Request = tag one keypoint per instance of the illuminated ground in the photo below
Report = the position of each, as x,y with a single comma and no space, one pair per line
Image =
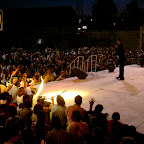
125,97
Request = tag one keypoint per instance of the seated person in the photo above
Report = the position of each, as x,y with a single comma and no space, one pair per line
77,128
49,75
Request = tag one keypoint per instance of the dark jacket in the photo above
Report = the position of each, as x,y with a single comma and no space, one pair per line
121,53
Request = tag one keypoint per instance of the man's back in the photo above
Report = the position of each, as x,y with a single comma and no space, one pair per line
72,108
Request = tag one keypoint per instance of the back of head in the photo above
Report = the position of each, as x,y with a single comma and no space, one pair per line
37,107
4,95
116,116
28,103
9,99
12,111
78,100
41,101
60,100
98,108
76,116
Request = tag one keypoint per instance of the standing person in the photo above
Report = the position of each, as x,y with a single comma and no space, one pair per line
121,60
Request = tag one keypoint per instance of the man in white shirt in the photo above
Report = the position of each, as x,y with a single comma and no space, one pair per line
14,90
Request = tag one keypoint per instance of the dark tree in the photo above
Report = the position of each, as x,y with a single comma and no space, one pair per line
104,13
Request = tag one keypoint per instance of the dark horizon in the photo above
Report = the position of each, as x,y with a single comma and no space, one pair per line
87,4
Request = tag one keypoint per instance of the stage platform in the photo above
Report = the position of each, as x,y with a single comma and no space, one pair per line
125,97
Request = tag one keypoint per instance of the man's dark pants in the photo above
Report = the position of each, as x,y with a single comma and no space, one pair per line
121,70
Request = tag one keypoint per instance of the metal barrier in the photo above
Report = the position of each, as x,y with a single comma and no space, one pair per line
76,63
85,65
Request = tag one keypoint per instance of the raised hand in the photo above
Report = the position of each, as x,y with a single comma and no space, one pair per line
91,102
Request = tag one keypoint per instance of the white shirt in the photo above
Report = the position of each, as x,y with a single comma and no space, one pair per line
19,100
13,91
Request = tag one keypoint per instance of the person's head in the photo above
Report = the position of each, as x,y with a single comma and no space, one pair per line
21,106
3,96
76,116
116,116
78,100
24,75
17,83
60,100
28,103
41,101
118,41
34,91
127,140
41,115
56,66
37,107
9,99
98,108
131,131
12,111
51,68
21,91
14,134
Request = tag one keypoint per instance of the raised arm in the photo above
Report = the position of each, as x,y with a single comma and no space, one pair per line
91,102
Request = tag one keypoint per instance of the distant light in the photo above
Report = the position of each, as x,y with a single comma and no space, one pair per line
86,33
79,28
122,19
39,41
79,20
114,23
84,27
91,19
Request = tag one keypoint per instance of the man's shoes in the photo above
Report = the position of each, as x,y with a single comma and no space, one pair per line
117,77
120,78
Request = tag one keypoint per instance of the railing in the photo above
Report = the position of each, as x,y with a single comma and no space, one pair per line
85,65
76,63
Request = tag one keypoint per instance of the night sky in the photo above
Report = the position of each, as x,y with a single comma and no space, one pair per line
87,4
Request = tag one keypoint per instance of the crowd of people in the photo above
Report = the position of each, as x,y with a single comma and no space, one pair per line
23,121
37,62
49,123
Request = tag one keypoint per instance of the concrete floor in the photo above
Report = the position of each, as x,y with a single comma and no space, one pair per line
125,97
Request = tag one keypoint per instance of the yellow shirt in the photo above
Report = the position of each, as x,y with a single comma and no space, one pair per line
3,88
